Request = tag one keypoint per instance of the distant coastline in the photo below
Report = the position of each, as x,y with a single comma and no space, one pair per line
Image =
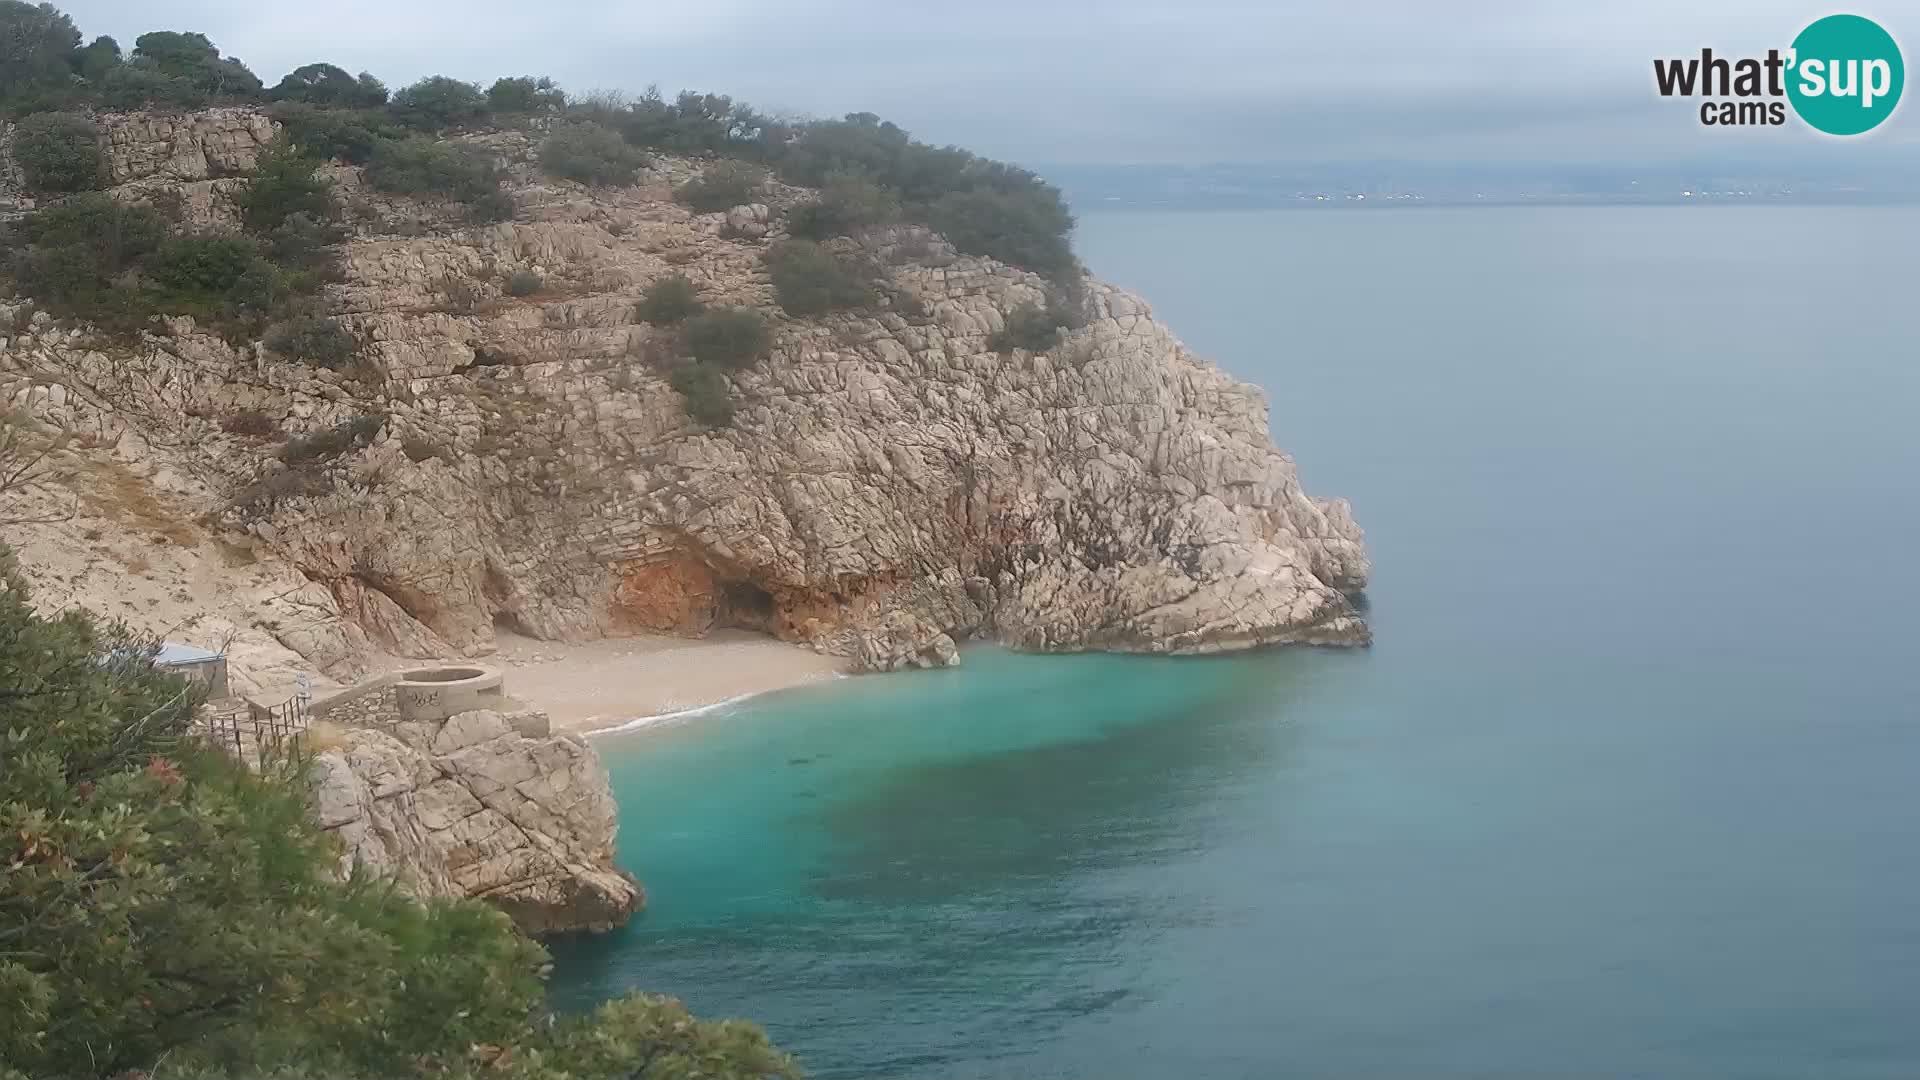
1266,186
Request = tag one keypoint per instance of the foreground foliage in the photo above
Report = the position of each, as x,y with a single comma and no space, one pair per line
165,910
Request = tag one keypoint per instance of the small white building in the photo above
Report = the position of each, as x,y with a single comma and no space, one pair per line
192,662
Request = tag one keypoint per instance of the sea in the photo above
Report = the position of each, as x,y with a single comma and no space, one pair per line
1628,785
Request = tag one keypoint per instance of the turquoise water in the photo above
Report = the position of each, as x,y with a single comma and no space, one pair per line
1629,786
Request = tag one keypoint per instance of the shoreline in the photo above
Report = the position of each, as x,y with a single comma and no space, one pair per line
621,684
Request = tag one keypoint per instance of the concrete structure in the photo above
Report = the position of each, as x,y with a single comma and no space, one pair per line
435,693
192,662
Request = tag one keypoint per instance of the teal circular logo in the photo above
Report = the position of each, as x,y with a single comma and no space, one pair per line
1846,75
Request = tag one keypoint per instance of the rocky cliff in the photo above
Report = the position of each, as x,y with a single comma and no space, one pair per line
891,484
472,806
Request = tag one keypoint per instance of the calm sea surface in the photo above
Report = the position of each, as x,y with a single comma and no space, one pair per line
1629,786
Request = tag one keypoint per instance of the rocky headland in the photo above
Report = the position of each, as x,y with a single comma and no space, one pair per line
512,459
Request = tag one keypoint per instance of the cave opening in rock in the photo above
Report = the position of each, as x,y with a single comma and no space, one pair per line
746,606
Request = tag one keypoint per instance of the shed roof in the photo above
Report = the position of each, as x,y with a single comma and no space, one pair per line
173,652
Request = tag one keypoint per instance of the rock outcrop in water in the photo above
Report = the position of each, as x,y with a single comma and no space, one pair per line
471,807
891,484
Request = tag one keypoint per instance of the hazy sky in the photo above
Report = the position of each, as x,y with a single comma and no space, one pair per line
1043,81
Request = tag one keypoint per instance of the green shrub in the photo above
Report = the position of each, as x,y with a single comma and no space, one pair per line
70,256
284,184
730,338
812,279
525,94
524,283
165,905
303,245
722,186
326,134
98,59
591,154
1024,229
59,152
709,397
325,84
318,341
141,85
850,202
201,265
192,58
495,205
668,300
983,207
261,289
1029,326
692,124
425,167
436,103
37,43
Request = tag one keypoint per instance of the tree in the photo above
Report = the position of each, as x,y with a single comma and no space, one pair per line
319,84
94,62
439,102
37,44
163,903
193,58
373,92
27,458
140,84
525,94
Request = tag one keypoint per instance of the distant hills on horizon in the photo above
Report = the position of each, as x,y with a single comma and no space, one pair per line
1267,185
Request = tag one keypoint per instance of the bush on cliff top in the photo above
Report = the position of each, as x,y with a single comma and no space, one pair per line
591,154
850,202
59,152
421,166
165,905
437,102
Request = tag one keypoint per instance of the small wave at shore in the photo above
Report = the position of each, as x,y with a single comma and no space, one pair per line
677,715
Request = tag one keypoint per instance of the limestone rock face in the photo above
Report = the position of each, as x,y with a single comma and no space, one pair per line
891,485
472,807
179,147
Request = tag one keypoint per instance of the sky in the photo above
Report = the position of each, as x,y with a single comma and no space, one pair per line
1113,81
